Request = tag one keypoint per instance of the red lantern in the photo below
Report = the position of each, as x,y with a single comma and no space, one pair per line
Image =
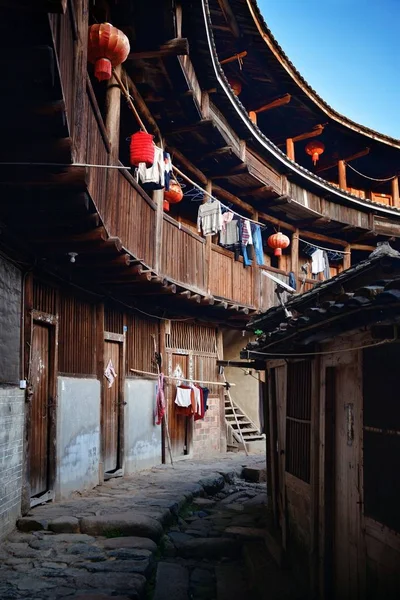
314,149
142,149
277,241
107,48
235,85
166,205
174,194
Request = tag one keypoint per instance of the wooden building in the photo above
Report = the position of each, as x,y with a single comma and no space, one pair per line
333,439
92,267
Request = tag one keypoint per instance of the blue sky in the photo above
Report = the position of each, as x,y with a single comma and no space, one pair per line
348,51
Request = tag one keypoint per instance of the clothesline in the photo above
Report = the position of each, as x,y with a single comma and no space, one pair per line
214,198
371,178
184,378
322,247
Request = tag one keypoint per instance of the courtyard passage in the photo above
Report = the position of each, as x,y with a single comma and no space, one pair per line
195,531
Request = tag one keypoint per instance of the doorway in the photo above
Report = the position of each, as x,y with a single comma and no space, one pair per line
42,412
180,427
113,403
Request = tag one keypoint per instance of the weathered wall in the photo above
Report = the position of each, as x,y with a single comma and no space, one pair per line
10,322
298,505
78,435
246,392
142,442
207,432
11,444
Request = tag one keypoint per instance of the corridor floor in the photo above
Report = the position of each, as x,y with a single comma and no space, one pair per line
194,531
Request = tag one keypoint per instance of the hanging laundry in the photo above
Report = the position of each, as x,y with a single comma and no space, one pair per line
205,391
185,401
247,238
327,271
160,400
227,217
154,177
257,243
209,218
230,234
244,241
201,409
167,170
318,262
292,280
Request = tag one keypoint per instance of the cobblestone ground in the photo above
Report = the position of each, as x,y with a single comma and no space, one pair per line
166,533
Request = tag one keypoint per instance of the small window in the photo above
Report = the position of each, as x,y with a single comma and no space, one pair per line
298,420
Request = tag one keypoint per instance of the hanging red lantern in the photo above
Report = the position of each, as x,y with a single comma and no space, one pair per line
107,48
174,194
278,241
314,149
141,149
235,85
166,205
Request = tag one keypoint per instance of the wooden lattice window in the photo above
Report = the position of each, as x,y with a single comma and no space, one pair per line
381,381
298,419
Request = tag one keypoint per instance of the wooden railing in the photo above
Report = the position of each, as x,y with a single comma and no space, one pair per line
229,278
183,254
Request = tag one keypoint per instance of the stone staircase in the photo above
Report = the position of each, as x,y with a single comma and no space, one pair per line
239,426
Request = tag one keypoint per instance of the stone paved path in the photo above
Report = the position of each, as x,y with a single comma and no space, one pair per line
166,533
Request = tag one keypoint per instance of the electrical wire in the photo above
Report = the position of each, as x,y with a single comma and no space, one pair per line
371,178
297,355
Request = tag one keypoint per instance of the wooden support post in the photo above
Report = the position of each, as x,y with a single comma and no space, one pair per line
347,257
158,197
208,249
113,113
342,174
295,255
256,272
290,148
100,376
395,192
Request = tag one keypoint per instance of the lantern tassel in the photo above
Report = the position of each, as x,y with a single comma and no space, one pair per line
103,69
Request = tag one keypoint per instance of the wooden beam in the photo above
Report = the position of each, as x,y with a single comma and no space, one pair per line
347,159
238,170
274,104
365,247
174,47
189,128
234,57
395,192
317,130
290,149
322,238
229,17
180,158
342,174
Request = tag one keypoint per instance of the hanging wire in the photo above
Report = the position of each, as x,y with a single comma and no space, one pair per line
367,177
322,247
300,354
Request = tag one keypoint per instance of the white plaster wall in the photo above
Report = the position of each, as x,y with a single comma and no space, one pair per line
246,391
142,442
78,435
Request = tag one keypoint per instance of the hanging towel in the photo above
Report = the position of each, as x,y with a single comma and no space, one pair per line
327,271
167,170
154,177
230,234
209,218
318,262
183,396
160,400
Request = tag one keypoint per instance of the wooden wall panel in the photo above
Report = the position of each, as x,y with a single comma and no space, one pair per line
242,283
45,297
76,336
221,273
183,255
139,343
113,320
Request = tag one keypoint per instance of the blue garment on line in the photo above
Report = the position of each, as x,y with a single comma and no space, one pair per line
257,243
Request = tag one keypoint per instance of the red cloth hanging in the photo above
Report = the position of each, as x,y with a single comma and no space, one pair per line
160,399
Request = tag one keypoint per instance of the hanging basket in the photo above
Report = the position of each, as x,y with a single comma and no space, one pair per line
174,194
166,206
278,241
141,149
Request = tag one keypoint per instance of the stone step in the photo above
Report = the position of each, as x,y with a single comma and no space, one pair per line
246,429
231,582
251,438
172,582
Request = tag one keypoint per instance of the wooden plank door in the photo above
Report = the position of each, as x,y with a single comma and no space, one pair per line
39,431
111,407
178,425
347,576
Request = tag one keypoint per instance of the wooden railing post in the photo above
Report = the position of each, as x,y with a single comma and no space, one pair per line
158,197
295,255
256,300
290,148
395,192
113,114
347,257
208,249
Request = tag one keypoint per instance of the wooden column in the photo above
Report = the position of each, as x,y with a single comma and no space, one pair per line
208,250
342,175
295,255
256,272
347,257
113,114
80,112
395,192
158,197
290,148
100,376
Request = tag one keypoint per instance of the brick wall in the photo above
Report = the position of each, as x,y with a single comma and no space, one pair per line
11,442
207,432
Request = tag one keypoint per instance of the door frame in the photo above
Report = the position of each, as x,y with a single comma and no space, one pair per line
119,338
51,322
170,352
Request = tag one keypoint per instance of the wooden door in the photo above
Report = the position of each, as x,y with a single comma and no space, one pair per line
111,406
280,391
347,572
39,431
177,424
